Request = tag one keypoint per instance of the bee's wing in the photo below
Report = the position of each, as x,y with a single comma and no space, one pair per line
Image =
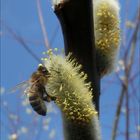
21,86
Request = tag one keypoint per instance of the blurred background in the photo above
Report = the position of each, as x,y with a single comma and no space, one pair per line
32,24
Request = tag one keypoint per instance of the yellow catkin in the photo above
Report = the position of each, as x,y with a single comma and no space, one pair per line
67,84
107,34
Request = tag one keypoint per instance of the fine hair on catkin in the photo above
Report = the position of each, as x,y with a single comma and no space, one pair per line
67,84
107,34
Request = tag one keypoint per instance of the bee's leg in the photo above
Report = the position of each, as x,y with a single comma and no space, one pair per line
43,93
53,98
48,98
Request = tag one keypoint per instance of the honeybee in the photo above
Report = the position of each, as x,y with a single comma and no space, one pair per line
36,91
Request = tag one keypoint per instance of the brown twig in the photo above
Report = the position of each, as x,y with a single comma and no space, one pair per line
125,87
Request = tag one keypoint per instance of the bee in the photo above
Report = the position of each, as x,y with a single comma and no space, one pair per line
36,92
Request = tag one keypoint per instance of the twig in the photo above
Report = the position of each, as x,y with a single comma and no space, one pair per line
20,40
54,35
127,72
76,18
40,15
125,88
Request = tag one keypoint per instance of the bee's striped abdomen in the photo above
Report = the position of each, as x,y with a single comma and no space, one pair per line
37,103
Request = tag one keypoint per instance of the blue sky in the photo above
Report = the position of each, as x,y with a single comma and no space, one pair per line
17,64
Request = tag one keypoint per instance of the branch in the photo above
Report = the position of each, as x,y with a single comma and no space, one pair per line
46,41
76,18
125,86
21,41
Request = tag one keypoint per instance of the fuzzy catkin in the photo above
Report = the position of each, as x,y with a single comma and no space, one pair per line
67,84
107,34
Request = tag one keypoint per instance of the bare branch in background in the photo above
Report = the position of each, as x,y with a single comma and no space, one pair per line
39,9
124,91
54,34
21,41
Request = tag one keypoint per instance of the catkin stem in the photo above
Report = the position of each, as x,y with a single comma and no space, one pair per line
88,131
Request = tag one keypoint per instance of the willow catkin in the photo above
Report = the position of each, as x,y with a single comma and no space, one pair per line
67,84
107,34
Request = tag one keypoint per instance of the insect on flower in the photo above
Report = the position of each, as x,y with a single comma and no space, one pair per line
35,90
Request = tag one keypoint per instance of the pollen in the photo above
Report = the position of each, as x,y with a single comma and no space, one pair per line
107,33
44,53
56,49
73,94
50,52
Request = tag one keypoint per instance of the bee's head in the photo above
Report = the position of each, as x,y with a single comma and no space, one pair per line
42,69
